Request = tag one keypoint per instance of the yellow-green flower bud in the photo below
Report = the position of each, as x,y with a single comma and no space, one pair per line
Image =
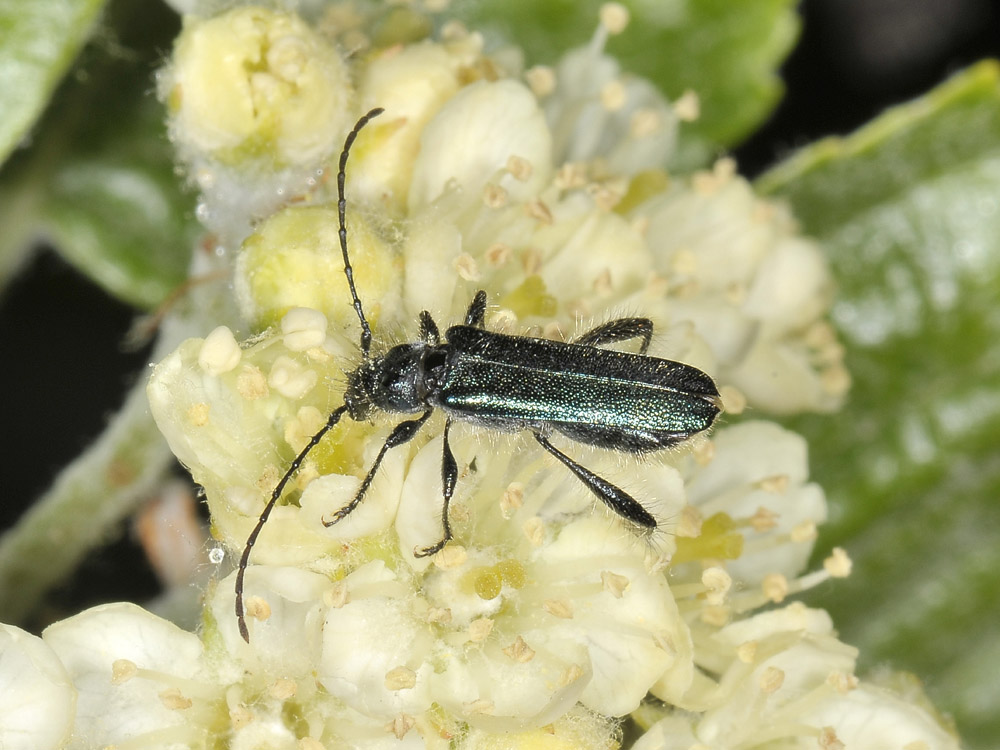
294,260
254,82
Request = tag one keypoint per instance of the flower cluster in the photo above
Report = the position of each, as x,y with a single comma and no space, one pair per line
546,620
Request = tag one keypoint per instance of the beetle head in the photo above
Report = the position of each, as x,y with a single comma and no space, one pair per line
392,382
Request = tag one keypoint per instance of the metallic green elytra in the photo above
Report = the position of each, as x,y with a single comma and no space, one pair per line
627,402
631,403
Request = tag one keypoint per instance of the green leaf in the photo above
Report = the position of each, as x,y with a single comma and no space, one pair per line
38,41
729,57
99,179
114,205
908,209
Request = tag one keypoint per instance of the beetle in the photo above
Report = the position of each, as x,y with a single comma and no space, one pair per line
631,403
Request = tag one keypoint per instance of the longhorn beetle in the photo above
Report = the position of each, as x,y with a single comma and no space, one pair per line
631,403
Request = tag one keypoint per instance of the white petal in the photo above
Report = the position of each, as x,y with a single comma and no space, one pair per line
412,83
631,640
715,228
287,642
418,522
371,635
779,376
671,733
325,495
792,286
794,618
745,455
495,692
870,718
472,138
37,698
432,244
90,643
592,249
585,129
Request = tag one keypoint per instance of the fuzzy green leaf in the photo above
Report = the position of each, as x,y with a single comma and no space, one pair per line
729,57
98,180
908,209
114,206
38,41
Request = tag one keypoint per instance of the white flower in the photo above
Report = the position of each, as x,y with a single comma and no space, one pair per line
783,678
135,676
509,631
755,290
759,478
472,139
37,697
143,682
598,113
413,83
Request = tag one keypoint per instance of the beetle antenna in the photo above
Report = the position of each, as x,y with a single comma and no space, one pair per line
245,558
366,331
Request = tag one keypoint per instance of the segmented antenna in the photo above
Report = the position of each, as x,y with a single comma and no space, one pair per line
366,340
366,331
245,559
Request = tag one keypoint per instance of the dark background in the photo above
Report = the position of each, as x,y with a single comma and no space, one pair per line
63,369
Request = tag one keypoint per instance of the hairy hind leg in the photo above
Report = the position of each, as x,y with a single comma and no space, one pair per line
449,477
622,329
614,497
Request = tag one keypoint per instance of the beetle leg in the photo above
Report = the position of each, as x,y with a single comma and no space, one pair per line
621,329
615,498
449,476
428,329
476,314
402,433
